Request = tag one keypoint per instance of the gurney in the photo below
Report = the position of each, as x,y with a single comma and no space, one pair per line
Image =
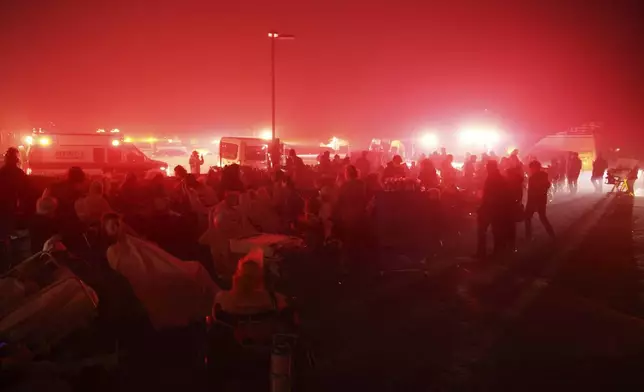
28,278
47,304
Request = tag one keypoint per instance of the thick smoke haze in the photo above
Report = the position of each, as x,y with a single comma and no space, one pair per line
355,69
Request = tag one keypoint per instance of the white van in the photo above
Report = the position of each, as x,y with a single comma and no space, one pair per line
244,151
52,154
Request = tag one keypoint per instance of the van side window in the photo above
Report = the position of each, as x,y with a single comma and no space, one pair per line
228,150
99,155
113,155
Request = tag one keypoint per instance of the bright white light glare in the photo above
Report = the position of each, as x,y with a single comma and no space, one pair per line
429,140
266,134
29,140
44,141
479,137
115,143
128,140
100,130
115,130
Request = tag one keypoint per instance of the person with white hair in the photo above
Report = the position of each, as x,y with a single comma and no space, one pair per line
248,294
91,208
43,224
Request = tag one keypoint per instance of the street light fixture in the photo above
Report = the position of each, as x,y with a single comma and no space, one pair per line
274,36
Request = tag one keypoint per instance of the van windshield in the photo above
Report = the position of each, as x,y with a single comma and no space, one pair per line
133,154
255,153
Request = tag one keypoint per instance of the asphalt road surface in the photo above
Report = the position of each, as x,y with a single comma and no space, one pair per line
564,315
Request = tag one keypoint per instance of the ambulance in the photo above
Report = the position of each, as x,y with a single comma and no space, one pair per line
52,154
244,151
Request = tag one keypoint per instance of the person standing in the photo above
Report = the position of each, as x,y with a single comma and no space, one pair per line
515,179
573,170
363,165
293,162
13,191
563,171
195,162
350,215
599,168
494,211
538,186
427,175
395,169
630,180
448,173
469,171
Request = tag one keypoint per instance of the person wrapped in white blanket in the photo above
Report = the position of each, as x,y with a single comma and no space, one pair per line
175,293
228,220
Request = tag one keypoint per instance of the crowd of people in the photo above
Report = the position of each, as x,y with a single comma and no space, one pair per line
153,222
333,200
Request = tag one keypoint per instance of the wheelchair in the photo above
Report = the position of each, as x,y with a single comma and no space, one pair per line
257,350
619,183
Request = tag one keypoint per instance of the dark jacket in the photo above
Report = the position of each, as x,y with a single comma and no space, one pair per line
13,188
497,200
538,185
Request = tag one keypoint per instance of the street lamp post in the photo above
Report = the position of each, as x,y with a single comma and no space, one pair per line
274,37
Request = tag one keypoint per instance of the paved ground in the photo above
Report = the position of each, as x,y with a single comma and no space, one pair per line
554,316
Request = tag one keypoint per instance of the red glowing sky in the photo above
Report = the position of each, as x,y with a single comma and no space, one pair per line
366,69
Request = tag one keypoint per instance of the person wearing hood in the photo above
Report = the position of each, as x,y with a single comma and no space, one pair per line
538,186
196,161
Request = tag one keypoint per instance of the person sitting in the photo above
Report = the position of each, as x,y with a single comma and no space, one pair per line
130,195
225,222
91,208
175,293
262,214
66,194
248,294
43,225
207,195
